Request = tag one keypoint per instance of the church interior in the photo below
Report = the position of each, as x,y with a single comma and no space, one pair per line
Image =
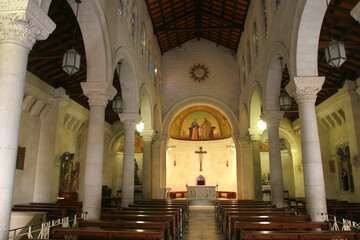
185,111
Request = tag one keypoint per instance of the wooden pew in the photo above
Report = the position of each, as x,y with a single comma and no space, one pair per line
155,211
126,234
183,207
163,225
243,226
52,212
71,209
292,218
175,230
315,235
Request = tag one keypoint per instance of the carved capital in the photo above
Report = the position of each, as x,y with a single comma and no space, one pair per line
129,120
272,118
255,134
99,93
305,89
355,12
23,22
147,135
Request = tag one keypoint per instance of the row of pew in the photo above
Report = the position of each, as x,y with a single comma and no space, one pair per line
242,219
155,219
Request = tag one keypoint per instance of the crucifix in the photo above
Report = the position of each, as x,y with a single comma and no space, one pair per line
201,152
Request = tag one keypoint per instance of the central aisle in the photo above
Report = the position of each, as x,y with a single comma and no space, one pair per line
202,224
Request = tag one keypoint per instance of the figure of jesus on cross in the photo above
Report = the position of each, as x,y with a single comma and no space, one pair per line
201,152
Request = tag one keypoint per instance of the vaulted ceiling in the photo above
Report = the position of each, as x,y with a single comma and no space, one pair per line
178,21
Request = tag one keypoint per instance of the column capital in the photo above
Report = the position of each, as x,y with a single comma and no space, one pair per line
272,117
255,134
129,119
24,22
305,89
355,12
147,135
99,93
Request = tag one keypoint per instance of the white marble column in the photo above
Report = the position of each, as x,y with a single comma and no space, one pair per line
129,121
305,90
155,169
273,119
147,136
245,188
99,93
22,23
255,135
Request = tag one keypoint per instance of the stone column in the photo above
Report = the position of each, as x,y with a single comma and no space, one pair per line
147,136
99,93
255,135
245,188
22,23
129,121
155,169
273,119
305,89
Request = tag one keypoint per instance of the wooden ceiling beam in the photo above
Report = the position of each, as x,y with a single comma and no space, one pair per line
211,15
348,44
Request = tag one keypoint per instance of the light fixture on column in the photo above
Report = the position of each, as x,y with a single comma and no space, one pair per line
71,60
140,126
174,162
284,101
261,125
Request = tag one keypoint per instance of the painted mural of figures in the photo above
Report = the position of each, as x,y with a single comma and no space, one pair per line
206,129
194,130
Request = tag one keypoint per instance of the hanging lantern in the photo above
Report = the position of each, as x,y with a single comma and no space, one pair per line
140,126
117,104
335,53
284,101
71,62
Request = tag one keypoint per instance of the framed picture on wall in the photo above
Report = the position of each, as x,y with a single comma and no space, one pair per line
20,158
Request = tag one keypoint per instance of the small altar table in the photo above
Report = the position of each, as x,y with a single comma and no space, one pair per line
201,192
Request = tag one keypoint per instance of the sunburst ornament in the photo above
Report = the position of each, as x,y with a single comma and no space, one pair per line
199,72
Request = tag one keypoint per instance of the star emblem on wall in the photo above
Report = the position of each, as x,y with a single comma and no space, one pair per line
199,72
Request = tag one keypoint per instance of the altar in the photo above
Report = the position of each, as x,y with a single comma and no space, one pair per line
201,192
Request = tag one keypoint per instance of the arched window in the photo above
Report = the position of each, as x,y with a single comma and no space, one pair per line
121,7
143,43
255,40
265,17
248,56
243,70
155,72
150,60
133,22
277,3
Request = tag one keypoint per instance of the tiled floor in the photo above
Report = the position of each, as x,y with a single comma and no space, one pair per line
202,224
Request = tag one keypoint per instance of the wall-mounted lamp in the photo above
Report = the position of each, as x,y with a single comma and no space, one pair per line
261,125
140,127
174,162
231,147
227,163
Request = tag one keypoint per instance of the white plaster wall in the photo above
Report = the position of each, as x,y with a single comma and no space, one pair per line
223,81
214,167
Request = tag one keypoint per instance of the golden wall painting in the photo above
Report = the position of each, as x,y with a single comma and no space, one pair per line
138,144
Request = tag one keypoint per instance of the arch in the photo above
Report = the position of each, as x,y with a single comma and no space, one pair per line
243,121
304,45
128,79
146,107
255,105
157,120
273,71
96,40
201,100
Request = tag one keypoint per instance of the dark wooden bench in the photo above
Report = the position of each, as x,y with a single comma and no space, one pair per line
175,230
125,234
241,226
316,235
163,225
268,218
52,212
71,209
183,207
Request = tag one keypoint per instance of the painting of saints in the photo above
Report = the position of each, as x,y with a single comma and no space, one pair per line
206,129
194,130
